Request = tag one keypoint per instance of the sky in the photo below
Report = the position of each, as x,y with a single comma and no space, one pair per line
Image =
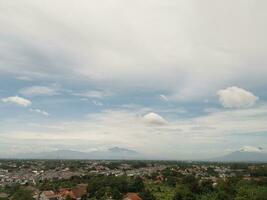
176,79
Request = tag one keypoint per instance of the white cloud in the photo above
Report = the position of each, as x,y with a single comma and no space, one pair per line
163,97
97,103
39,91
235,97
247,148
17,100
42,112
94,94
154,119
24,78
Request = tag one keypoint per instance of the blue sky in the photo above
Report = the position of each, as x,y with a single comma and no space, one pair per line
173,79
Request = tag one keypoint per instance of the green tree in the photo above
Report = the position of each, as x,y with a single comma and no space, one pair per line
251,193
183,193
116,195
192,183
147,195
206,186
210,196
222,195
69,198
137,185
22,195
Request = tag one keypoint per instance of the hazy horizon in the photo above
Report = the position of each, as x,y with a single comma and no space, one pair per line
181,79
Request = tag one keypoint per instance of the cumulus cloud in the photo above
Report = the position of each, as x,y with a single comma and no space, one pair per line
17,100
39,91
154,119
235,97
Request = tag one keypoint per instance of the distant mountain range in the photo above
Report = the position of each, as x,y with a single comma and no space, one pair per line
115,153
244,156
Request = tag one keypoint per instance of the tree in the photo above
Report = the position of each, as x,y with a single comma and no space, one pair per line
227,188
68,198
147,195
171,181
116,195
210,196
251,193
206,186
222,195
183,193
22,195
102,193
137,185
178,196
192,183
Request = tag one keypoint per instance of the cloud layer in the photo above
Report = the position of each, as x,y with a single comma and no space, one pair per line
128,45
187,74
39,91
179,139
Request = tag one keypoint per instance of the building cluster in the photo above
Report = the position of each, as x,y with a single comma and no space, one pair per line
63,194
28,176
75,193
29,173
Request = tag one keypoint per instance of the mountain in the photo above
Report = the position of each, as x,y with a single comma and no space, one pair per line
59,154
115,153
243,156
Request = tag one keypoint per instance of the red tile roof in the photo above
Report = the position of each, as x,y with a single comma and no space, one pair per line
132,196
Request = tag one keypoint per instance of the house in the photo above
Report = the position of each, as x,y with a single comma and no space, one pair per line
49,195
3,195
65,192
76,193
132,196
80,191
